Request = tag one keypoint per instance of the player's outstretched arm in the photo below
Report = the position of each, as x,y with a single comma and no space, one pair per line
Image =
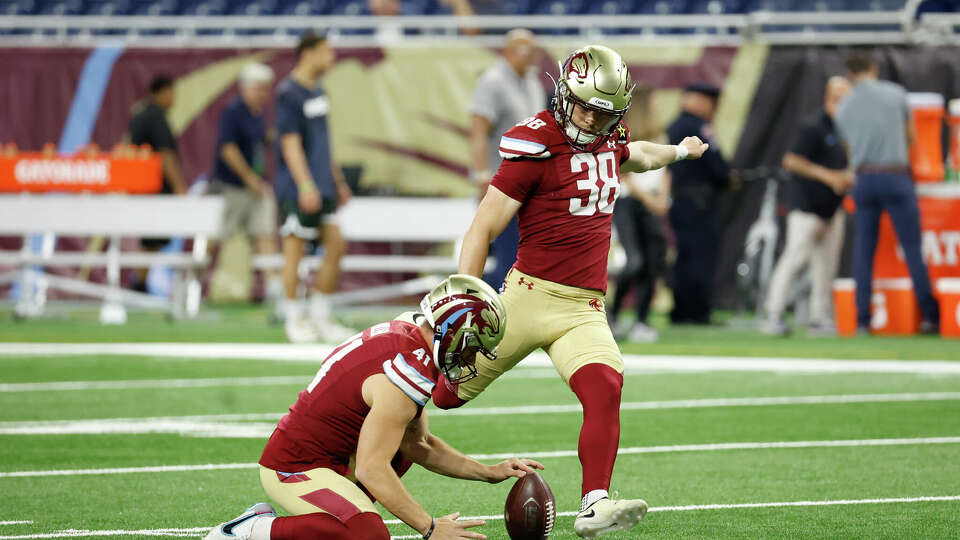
647,156
494,214
383,429
391,412
434,454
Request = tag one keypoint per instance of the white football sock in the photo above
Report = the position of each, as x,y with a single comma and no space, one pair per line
319,307
273,289
593,497
261,528
292,309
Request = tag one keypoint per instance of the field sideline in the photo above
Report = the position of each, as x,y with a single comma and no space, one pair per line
114,442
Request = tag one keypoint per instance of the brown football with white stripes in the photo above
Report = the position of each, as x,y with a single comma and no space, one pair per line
530,511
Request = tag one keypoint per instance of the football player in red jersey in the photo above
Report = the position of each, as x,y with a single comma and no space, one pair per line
561,174
360,425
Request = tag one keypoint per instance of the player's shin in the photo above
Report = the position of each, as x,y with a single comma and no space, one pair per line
598,388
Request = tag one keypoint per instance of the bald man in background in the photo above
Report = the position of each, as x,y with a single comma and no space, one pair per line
507,93
815,224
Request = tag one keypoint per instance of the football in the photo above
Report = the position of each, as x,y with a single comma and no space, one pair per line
530,510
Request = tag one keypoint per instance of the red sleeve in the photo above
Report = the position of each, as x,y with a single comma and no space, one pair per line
625,154
518,178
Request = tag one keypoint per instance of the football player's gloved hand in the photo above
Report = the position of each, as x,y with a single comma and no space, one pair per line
513,467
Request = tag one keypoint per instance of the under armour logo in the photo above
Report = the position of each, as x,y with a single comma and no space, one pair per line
611,144
595,304
529,284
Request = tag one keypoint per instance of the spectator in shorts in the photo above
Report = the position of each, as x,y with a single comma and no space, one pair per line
506,93
874,121
239,164
815,224
309,190
638,219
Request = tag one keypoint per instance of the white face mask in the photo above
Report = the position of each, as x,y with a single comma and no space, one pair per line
578,135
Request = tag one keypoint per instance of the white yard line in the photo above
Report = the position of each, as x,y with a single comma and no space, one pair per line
260,425
17,522
735,446
129,470
316,353
713,447
198,531
152,383
696,507
707,403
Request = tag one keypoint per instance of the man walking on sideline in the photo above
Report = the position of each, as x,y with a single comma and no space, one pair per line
506,93
239,165
874,122
815,224
309,189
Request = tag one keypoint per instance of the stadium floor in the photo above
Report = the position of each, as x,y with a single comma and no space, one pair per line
163,444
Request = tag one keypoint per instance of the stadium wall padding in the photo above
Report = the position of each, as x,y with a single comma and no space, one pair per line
399,112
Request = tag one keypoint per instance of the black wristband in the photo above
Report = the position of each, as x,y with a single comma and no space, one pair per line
433,523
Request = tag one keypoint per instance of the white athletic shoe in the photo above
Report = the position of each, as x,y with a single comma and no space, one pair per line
300,330
775,327
641,333
241,527
608,515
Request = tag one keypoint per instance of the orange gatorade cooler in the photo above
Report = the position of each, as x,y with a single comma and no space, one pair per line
926,157
953,121
845,306
893,308
949,289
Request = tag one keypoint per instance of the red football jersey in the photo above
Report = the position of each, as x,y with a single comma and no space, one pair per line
323,426
568,199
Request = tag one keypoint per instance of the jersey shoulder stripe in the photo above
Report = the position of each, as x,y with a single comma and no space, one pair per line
416,386
515,148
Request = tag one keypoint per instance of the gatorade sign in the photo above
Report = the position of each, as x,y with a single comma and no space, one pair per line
37,173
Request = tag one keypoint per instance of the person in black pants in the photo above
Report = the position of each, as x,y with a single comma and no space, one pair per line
696,186
638,219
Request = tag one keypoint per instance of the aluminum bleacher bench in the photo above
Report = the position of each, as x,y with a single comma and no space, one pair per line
114,217
395,220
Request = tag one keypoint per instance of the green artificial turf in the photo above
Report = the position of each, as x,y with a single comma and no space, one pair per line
666,478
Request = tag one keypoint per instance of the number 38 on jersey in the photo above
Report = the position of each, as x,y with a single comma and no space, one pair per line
601,185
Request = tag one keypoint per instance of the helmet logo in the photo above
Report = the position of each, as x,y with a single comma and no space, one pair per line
492,326
579,66
600,102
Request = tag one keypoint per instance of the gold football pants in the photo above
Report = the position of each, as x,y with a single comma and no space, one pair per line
569,323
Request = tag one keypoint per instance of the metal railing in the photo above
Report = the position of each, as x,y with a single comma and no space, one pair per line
281,31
